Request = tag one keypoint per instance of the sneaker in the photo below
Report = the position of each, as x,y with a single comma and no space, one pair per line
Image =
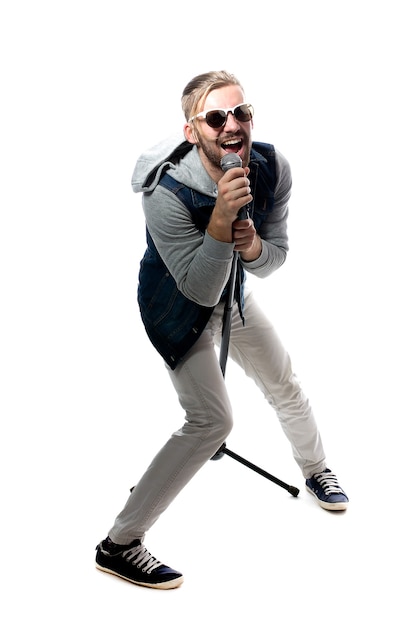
134,563
326,489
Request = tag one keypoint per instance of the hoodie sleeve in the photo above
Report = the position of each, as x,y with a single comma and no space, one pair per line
199,264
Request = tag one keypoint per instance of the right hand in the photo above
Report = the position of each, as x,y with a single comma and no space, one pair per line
233,193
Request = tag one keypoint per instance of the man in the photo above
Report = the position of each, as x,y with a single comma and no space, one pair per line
191,207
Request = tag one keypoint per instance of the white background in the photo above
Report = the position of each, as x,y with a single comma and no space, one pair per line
86,87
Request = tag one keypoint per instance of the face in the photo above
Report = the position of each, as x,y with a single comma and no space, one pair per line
214,143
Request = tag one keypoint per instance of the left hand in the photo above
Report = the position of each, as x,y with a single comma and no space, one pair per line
246,239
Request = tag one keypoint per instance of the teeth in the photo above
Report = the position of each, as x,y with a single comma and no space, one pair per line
231,143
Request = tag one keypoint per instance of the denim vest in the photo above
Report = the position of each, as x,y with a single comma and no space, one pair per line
172,321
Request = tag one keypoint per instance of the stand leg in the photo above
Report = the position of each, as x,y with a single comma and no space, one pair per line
294,491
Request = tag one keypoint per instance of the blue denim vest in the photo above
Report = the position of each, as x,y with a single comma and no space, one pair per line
172,321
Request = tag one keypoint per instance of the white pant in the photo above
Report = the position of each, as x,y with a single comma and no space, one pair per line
202,393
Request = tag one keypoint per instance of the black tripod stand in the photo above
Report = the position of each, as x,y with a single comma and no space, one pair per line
224,350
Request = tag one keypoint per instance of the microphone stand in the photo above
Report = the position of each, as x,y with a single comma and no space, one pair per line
224,351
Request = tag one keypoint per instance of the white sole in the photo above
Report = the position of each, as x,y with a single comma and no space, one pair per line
329,506
168,584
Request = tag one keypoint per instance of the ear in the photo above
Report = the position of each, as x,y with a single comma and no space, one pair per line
190,134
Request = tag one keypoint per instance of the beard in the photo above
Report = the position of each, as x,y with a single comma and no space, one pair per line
213,150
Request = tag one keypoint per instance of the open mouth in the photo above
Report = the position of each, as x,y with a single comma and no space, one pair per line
234,145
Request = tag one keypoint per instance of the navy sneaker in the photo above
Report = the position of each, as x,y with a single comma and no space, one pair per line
326,489
134,563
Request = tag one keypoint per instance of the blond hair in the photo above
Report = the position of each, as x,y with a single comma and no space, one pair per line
200,86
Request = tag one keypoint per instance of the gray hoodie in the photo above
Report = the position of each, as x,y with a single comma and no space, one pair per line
200,264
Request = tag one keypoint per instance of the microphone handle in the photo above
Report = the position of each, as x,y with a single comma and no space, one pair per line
243,213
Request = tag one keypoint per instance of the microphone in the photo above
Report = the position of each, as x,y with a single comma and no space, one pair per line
231,159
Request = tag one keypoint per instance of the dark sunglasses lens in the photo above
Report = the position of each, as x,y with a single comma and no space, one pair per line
216,119
243,113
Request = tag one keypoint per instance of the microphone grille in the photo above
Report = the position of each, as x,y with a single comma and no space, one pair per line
230,160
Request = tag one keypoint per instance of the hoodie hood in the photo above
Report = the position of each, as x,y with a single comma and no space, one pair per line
155,161
182,160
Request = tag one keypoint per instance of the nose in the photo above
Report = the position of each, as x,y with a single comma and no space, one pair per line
231,122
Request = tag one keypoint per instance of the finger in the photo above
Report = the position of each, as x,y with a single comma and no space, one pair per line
242,224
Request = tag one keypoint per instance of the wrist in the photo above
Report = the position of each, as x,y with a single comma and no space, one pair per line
221,230
254,252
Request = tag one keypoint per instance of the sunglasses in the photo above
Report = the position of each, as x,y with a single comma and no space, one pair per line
217,118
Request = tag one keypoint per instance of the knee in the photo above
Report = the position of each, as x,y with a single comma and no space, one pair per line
286,393
218,434
219,424
214,427
223,427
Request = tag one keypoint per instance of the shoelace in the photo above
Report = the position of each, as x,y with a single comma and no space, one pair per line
328,482
140,557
